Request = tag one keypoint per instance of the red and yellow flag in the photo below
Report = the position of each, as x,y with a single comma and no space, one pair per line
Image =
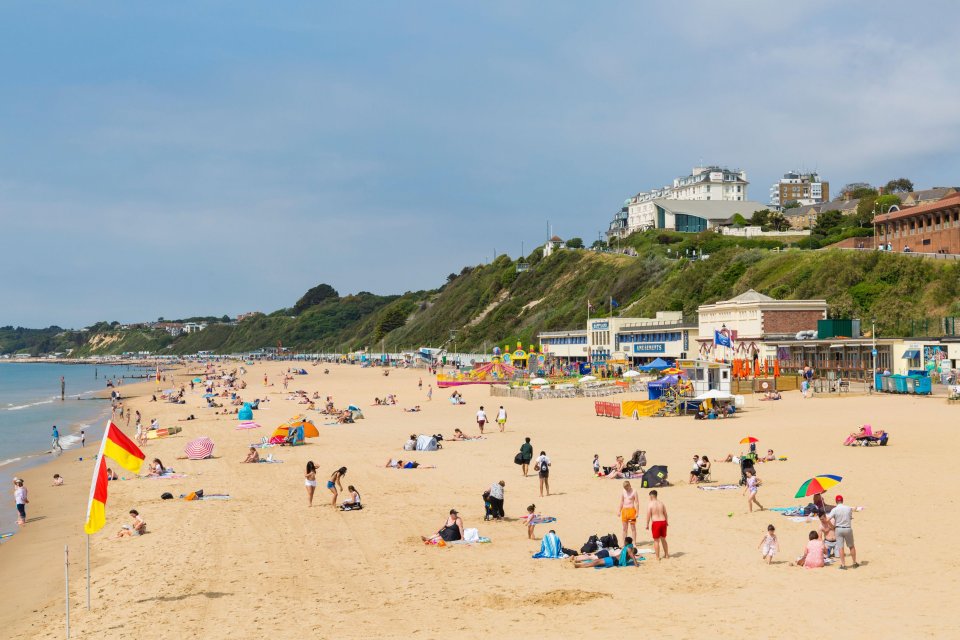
127,454
97,509
122,449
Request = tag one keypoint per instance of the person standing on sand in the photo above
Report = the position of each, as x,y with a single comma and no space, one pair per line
502,418
542,467
753,482
20,498
842,517
496,500
657,516
419,384
481,418
429,392
526,456
629,506
310,481
83,438
55,440
334,483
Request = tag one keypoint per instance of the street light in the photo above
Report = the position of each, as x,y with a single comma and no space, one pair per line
873,352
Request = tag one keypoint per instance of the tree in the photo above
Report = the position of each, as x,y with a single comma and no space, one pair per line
900,185
225,318
760,218
451,277
739,220
598,245
852,187
778,222
827,221
575,243
793,204
314,297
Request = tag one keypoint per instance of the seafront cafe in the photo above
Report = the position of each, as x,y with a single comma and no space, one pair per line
853,359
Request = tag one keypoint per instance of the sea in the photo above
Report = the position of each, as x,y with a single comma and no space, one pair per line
30,405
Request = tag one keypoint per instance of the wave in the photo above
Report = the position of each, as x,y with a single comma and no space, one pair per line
18,407
4,463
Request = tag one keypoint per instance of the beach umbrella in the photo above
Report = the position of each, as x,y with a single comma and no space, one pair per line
631,374
714,394
817,484
776,368
672,371
541,381
197,380
199,449
248,425
588,378
208,395
749,440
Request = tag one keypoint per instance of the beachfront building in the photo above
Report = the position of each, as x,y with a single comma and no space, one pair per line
624,341
751,321
802,188
853,359
706,183
555,243
927,228
569,346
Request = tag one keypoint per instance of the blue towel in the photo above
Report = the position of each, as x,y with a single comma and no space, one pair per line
550,547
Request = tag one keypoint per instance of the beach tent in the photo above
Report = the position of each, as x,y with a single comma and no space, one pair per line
631,374
309,429
658,364
426,443
245,413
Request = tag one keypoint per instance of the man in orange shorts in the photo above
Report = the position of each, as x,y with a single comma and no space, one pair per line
629,505
657,513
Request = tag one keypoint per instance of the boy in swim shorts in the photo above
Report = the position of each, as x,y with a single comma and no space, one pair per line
629,505
657,515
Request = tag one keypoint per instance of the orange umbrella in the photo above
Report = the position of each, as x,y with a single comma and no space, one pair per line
776,368
748,440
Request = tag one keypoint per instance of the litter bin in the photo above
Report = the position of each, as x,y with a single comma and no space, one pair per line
911,382
924,385
900,383
888,384
877,382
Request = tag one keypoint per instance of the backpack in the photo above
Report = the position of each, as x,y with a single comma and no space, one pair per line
166,496
591,545
518,459
610,541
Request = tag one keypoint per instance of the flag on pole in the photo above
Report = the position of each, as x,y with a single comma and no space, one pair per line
721,339
614,303
127,454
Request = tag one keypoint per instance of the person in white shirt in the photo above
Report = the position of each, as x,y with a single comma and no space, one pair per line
542,467
481,419
496,500
502,418
20,497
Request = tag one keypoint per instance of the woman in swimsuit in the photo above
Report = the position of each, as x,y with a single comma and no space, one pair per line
310,481
334,483
253,456
452,530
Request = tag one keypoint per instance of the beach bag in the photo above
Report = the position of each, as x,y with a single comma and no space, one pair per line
591,545
471,535
166,496
518,459
609,541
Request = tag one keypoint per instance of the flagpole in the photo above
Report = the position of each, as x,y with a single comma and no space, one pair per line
88,572
97,461
66,577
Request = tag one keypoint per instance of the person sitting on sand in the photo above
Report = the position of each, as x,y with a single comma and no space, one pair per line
111,474
770,457
352,499
57,480
415,409
812,557
253,456
452,530
411,444
695,470
137,528
156,468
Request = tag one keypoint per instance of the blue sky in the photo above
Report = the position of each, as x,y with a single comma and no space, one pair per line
176,159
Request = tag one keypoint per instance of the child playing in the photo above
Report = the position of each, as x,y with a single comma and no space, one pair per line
488,508
769,545
57,480
530,520
596,464
752,483
812,557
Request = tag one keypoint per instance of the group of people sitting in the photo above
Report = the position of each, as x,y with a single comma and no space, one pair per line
866,435
700,470
388,399
715,412
456,398
771,395
635,466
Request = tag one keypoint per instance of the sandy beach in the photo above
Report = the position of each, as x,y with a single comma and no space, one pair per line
264,564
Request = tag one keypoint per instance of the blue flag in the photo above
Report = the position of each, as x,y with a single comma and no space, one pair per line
722,340
614,303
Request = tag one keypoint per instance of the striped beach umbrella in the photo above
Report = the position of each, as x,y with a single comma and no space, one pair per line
817,484
248,425
199,449
749,440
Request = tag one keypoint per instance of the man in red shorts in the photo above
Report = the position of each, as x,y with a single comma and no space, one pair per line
657,513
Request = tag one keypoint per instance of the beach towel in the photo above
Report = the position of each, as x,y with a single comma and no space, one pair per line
269,461
166,476
719,487
550,548
480,540
617,564
543,520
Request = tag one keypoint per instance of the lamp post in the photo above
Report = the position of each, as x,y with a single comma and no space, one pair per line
873,351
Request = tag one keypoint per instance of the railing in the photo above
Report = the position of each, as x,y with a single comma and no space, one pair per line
528,393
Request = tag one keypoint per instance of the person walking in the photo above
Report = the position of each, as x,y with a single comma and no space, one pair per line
55,440
526,456
542,467
753,484
842,517
496,500
657,517
429,392
21,500
481,418
502,418
419,384
629,506
83,437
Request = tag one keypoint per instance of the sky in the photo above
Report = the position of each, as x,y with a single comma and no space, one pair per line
207,158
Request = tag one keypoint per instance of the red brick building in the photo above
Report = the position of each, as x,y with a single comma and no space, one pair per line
926,228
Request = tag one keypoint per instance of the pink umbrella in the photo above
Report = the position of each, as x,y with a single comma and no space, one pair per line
199,449
248,425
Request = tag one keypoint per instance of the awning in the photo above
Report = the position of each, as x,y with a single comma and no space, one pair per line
912,354
837,346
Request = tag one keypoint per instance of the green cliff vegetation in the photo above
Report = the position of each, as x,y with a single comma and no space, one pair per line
495,304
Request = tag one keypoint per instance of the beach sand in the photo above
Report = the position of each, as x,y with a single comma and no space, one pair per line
264,565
